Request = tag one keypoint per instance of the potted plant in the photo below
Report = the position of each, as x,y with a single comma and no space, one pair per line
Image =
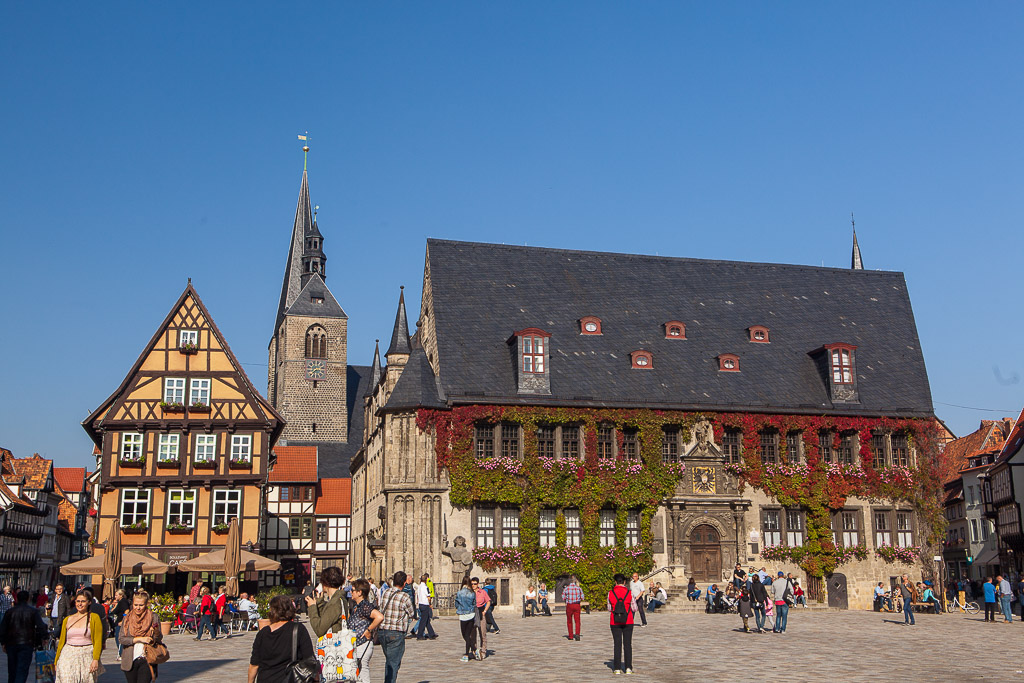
263,606
132,461
220,528
199,407
169,463
172,407
204,464
176,528
240,463
188,347
164,607
135,527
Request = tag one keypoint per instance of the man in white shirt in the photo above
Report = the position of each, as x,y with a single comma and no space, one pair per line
426,614
637,588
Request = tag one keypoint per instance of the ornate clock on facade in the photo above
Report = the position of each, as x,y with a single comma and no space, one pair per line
703,479
316,369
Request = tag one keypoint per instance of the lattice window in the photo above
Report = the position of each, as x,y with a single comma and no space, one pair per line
241,447
905,529
131,446
605,442
847,449
670,446
546,528
545,442
900,450
174,390
769,446
199,392
632,528
825,441
630,444
510,528
169,447
206,447
181,507
771,527
484,440
883,528
135,506
573,528
794,446
485,528
878,450
533,354
794,528
227,505
607,528
570,442
731,444
510,440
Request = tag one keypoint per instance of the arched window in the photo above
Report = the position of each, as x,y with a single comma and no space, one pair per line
316,342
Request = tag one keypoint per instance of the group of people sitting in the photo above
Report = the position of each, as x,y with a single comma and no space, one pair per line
891,599
722,600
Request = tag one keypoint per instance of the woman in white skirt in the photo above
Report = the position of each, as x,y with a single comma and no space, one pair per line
80,645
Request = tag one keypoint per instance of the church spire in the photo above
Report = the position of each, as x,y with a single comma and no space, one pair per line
305,251
375,371
400,335
856,262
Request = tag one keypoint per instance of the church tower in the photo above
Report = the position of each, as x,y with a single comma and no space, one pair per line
307,371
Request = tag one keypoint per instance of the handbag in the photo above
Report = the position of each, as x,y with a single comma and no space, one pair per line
305,670
157,653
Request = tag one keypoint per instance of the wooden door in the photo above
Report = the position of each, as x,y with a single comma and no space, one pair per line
705,554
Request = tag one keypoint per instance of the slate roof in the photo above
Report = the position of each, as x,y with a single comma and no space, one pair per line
303,304
335,496
483,292
36,470
292,283
334,458
400,333
70,479
417,387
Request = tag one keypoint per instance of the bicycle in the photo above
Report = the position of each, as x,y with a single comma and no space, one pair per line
969,606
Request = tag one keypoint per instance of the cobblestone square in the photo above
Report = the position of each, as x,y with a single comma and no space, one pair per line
818,646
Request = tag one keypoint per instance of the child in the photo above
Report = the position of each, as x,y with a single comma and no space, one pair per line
745,611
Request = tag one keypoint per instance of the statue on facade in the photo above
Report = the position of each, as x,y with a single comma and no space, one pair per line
461,556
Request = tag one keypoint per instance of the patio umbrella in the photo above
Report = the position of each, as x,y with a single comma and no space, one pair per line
233,558
112,562
131,563
214,562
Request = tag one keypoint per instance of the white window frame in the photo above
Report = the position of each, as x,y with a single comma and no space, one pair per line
178,508
169,447
227,505
131,445
546,525
883,536
174,390
771,526
606,531
632,528
794,534
573,531
136,498
974,531
904,536
485,523
199,392
203,443
188,337
510,527
241,447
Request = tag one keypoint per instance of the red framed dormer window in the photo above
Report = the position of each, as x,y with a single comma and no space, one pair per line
590,324
642,360
728,362
533,349
675,330
759,334
840,361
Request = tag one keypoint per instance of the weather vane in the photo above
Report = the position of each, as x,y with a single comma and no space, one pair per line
305,148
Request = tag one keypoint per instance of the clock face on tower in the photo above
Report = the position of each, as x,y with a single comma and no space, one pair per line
316,369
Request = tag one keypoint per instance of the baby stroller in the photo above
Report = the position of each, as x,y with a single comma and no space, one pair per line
721,604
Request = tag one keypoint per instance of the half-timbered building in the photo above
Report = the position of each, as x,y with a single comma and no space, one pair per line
291,507
21,528
333,523
185,443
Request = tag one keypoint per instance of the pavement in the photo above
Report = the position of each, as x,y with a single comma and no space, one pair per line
673,648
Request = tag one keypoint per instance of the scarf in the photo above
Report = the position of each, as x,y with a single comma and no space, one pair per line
139,626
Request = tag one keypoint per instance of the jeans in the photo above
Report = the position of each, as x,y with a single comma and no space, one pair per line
1004,601
426,614
19,662
572,613
531,605
694,594
544,606
392,644
117,639
468,628
206,623
908,612
491,623
783,616
655,604
759,616
622,638
801,600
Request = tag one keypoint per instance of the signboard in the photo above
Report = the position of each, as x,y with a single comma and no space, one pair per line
175,557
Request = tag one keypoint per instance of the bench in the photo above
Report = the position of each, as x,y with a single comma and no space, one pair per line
559,607
922,606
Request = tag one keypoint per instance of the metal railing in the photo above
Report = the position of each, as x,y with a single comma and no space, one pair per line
667,569
444,598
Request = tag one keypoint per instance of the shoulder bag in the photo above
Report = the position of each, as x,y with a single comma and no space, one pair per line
787,597
302,671
391,598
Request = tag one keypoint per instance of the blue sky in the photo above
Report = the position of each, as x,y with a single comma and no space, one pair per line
146,143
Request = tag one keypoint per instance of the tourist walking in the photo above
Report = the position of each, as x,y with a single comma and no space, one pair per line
1005,597
573,596
80,644
637,588
492,593
272,648
6,601
426,613
206,609
758,601
140,630
465,609
397,610
60,607
22,629
116,617
307,591
782,593
989,590
745,609
220,608
621,608
364,621
483,601
907,593
328,612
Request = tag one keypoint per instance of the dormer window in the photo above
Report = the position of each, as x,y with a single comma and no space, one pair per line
642,360
316,299
728,362
590,325
532,343
758,334
840,360
675,330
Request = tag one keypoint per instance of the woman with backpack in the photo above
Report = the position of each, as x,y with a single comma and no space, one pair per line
622,606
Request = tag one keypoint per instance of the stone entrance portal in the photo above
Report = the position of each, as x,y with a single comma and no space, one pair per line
705,554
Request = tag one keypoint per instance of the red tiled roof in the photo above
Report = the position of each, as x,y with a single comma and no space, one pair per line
955,457
295,463
18,500
66,513
35,470
1014,440
71,479
334,497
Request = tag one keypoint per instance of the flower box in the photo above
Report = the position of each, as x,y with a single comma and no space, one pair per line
204,464
132,462
172,407
240,464
188,348
199,408
220,528
168,464
137,528
179,529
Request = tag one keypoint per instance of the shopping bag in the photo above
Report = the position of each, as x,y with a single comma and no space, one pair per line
45,666
336,653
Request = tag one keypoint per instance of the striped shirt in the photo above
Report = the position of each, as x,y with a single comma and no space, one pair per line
572,594
397,610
